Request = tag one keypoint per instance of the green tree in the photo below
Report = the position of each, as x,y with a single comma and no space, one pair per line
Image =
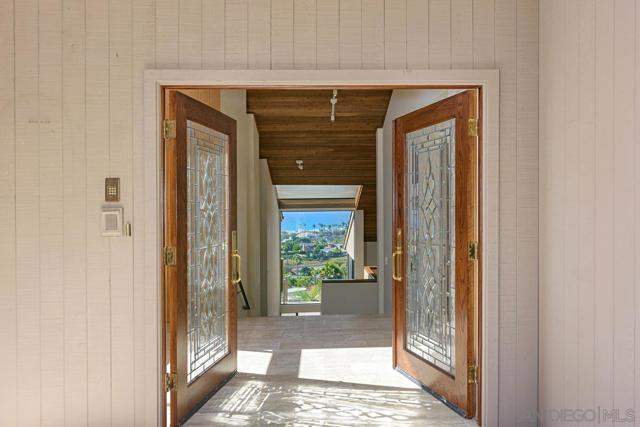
297,260
332,270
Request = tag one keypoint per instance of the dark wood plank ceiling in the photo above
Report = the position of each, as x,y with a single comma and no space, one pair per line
295,125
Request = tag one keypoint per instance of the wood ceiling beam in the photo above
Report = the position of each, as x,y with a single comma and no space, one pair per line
294,124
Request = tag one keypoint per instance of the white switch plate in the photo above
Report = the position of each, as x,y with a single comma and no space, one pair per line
111,222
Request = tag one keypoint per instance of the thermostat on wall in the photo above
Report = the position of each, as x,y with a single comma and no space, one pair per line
111,222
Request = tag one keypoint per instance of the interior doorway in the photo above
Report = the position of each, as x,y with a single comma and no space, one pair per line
477,291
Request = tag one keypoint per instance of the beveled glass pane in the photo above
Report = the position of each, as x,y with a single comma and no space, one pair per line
430,260
207,219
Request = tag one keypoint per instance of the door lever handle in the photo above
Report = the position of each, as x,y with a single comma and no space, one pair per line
395,271
397,255
237,267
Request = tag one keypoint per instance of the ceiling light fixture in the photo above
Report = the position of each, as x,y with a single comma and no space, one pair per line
300,164
334,101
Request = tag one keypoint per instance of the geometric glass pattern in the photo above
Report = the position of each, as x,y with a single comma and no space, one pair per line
207,253
430,260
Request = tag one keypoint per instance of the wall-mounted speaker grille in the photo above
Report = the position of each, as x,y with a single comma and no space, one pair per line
112,222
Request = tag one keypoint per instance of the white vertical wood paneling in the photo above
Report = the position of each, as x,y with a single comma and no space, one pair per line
282,34
637,210
213,34
51,209
462,32
121,165
27,208
527,207
589,75
569,174
505,51
417,14
304,34
98,255
88,331
8,336
190,34
351,34
586,303
328,34
74,155
545,202
604,274
624,218
440,33
484,33
372,34
552,157
259,34
144,359
236,34
168,33
396,28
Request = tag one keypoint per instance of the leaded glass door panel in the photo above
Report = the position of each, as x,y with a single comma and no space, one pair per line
435,223
200,223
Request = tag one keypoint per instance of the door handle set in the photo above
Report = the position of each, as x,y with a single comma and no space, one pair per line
237,266
397,256
236,259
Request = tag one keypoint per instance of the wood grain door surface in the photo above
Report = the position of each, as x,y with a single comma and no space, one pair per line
435,225
200,304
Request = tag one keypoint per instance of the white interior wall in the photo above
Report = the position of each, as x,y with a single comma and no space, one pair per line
590,208
71,114
358,244
403,101
270,242
233,102
254,223
355,243
370,253
380,214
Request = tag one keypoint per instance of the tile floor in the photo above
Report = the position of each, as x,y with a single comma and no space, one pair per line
320,371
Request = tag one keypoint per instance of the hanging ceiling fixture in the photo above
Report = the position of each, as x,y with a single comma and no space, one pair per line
334,101
300,164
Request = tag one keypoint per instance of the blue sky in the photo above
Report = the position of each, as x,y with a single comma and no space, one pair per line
294,221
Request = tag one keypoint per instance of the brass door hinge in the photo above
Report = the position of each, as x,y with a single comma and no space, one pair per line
473,127
169,127
473,251
169,382
170,255
472,374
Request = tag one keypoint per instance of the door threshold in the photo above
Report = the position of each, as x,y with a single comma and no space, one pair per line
200,404
434,394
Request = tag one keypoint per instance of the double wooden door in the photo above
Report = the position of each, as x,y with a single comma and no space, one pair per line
435,242
202,263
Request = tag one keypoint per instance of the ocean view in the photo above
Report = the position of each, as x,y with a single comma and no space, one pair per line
297,221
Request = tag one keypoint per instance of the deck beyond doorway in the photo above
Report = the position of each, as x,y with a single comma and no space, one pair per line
320,371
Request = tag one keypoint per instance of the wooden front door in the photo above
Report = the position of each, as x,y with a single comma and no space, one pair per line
435,248
201,259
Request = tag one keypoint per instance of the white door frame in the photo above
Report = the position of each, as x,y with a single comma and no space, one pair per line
241,79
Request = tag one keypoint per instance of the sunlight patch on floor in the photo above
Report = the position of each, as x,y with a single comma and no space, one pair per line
254,362
253,402
361,365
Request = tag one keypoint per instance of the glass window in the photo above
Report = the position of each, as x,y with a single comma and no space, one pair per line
207,213
430,261
312,248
